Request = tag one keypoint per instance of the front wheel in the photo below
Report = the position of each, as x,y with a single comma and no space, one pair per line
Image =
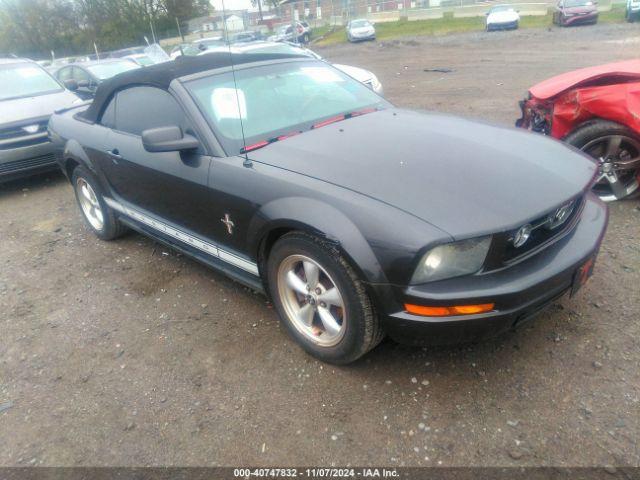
96,213
320,299
617,150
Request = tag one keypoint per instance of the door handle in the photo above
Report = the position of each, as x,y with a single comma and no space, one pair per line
115,155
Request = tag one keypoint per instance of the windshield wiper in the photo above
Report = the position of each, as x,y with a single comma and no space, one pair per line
324,123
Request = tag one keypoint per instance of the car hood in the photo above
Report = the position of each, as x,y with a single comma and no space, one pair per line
608,74
25,108
359,74
508,16
464,177
581,10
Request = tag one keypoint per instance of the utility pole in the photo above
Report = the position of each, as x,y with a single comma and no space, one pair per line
179,31
153,34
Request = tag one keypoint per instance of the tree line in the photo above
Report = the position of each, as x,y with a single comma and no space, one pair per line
34,28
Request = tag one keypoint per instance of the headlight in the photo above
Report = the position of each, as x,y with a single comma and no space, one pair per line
452,260
375,83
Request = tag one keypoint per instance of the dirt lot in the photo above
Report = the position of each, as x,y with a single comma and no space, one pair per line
125,353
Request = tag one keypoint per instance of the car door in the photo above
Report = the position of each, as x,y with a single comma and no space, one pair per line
171,186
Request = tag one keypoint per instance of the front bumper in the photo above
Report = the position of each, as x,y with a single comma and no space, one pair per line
17,162
579,19
363,38
502,25
519,291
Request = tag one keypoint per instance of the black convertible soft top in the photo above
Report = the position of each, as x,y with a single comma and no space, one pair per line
162,74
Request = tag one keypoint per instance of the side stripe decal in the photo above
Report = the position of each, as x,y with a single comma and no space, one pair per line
208,248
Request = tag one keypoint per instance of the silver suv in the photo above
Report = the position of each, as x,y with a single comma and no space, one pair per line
28,97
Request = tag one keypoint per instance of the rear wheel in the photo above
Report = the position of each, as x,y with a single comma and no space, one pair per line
96,213
320,299
617,150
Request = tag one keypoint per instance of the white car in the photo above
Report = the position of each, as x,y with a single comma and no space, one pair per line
502,17
632,12
359,30
360,74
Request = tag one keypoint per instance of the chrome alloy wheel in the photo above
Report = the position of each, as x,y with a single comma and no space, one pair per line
311,300
89,204
619,164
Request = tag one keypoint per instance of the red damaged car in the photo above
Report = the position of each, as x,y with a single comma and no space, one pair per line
597,110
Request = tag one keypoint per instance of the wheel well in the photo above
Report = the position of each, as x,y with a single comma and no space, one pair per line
270,239
594,121
69,166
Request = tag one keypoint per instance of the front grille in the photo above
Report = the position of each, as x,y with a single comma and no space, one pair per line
17,136
27,164
503,252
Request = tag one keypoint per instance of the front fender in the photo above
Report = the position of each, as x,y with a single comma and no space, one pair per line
315,216
73,151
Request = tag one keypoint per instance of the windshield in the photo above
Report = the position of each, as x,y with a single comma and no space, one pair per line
143,60
25,80
301,95
359,23
284,30
108,70
578,3
501,8
284,48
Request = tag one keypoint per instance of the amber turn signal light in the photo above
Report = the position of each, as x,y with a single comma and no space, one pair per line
448,311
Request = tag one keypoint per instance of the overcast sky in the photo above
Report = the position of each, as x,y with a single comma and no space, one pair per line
232,4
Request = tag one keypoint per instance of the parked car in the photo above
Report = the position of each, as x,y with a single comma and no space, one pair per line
84,78
243,37
286,48
125,52
632,10
596,110
360,30
357,218
142,59
184,49
210,42
502,17
286,33
28,97
575,12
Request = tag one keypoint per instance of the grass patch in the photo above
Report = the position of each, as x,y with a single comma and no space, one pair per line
449,24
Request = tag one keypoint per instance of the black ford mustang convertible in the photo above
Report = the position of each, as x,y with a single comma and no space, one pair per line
355,217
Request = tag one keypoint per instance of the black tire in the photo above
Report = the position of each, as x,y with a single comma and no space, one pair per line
362,327
111,228
597,129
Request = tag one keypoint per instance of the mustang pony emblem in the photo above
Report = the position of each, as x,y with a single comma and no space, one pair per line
228,223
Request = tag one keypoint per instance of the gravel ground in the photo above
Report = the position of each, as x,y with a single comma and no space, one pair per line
125,353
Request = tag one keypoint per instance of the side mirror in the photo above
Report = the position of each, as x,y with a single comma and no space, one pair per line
168,139
71,84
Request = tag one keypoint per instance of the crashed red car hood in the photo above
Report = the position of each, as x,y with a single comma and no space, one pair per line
618,72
